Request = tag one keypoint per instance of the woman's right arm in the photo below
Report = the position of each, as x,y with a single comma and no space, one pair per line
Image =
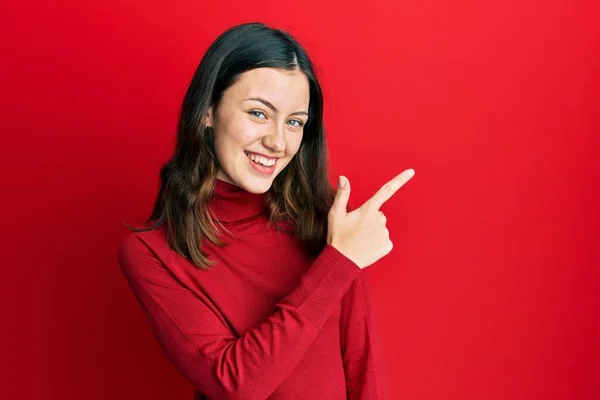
203,349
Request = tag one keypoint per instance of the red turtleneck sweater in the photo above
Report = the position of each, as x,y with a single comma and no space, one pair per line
267,321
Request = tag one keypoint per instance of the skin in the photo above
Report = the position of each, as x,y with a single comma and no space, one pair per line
241,125
362,234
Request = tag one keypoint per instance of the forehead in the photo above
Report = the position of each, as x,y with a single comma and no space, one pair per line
285,89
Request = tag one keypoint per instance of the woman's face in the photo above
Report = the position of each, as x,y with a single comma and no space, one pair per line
258,126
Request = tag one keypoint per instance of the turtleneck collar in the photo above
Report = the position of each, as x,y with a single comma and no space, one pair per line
230,203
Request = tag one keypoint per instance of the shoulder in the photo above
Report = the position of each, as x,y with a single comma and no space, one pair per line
133,243
137,248
136,241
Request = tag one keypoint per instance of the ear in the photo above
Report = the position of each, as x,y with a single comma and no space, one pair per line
208,119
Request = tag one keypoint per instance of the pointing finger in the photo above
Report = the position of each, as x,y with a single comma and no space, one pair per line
388,190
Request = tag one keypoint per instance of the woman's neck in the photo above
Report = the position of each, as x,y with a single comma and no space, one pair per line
230,203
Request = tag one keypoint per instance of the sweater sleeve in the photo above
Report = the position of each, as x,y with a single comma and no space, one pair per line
219,364
362,350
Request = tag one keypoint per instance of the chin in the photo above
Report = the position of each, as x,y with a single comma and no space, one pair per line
250,180
257,185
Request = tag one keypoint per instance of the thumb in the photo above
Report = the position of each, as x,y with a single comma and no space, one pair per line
340,203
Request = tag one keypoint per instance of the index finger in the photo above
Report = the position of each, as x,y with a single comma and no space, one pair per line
388,190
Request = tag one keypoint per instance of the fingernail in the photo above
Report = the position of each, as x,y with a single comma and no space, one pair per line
342,181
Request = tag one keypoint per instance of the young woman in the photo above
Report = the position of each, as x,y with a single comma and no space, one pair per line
249,267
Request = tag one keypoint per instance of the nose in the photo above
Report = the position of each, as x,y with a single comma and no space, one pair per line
274,140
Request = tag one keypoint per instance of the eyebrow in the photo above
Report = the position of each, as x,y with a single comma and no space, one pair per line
272,107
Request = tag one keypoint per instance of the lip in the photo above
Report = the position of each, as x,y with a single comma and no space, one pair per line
262,155
268,171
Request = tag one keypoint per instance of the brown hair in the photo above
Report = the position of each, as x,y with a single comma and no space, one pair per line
301,194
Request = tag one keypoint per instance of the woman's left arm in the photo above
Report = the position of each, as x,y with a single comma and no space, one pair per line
362,350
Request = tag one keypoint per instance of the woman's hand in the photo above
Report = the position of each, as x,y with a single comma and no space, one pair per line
361,235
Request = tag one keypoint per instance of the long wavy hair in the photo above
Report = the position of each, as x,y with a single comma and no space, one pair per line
301,194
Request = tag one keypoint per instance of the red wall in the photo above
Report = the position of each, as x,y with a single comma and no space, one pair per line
492,289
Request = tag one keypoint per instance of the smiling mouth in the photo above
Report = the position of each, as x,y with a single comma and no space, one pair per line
261,161
261,164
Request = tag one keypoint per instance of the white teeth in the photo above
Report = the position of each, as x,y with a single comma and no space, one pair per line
261,160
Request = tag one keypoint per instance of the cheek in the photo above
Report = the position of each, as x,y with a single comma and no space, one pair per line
243,132
294,142
236,132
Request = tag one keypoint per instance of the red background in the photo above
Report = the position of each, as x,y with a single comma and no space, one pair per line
492,289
